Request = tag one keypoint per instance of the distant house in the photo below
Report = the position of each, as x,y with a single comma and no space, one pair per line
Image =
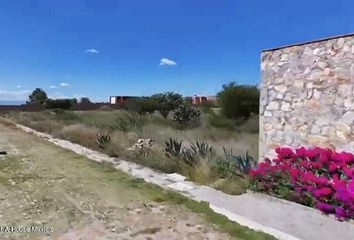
199,99
119,99
196,99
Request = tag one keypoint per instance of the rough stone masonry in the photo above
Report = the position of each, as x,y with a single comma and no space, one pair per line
307,95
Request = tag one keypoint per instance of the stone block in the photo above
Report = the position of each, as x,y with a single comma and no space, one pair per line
285,106
341,135
309,85
312,86
299,84
322,121
313,104
348,118
281,88
315,129
339,101
267,114
340,126
316,94
268,126
274,105
316,140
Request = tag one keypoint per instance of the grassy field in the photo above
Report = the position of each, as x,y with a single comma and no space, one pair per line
44,185
125,128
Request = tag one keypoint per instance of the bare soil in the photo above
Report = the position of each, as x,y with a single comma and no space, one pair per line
66,196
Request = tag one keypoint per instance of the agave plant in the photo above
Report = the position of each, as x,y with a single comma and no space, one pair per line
243,163
188,156
227,168
202,149
103,139
174,147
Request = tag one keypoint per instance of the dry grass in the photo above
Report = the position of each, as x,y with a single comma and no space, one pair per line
83,128
47,126
218,138
79,133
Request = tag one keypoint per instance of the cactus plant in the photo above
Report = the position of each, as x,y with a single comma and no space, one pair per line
202,149
243,163
103,140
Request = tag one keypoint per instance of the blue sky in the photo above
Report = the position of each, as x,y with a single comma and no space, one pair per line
99,48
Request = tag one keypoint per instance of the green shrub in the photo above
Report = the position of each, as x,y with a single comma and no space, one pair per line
251,125
220,121
166,102
207,105
142,105
37,96
184,115
239,101
59,103
227,168
188,101
85,100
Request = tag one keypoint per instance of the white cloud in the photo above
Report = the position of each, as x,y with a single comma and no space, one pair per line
14,95
63,84
168,62
19,86
53,87
58,95
91,51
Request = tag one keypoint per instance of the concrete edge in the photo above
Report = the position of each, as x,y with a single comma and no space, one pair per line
253,225
309,42
100,157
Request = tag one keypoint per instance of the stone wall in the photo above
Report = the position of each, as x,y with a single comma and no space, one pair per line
307,95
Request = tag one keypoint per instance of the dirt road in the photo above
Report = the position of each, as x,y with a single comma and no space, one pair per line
51,193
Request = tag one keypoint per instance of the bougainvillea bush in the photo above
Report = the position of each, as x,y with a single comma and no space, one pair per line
316,177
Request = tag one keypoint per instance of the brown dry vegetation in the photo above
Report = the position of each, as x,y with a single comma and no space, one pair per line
125,128
46,186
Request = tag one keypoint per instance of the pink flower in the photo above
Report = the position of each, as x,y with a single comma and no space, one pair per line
341,213
343,157
312,153
309,177
324,207
351,186
278,161
332,167
337,183
284,152
325,191
300,151
309,188
318,173
349,172
325,155
253,172
304,164
267,161
323,180
294,172
344,196
316,165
